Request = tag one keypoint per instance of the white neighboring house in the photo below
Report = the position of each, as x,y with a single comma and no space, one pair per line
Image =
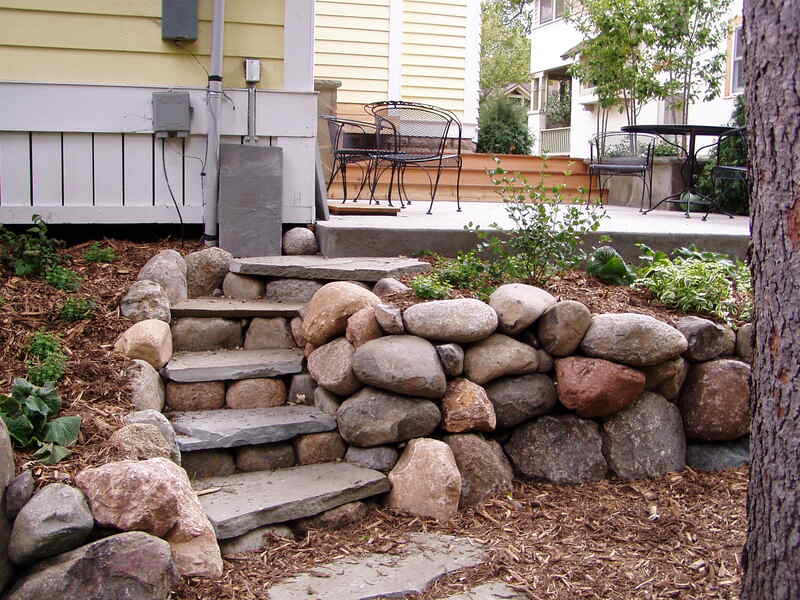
553,39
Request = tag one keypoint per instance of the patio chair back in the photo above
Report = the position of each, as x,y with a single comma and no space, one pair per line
620,148
415,128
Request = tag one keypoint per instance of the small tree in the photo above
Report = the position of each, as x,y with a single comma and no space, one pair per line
503,127
505,50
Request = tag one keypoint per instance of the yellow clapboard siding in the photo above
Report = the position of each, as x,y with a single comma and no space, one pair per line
428,50
348,97
364,85
335,71
89,66
413,70
347,23
434,8
425,60
343,8
438,91
450,20
352,48
323,34
435,29
441,41
352,60
265,12
129,34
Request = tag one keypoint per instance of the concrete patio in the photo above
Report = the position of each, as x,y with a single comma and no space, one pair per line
412,231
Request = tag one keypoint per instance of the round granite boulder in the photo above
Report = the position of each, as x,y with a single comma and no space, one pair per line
462,320
632,339
519,305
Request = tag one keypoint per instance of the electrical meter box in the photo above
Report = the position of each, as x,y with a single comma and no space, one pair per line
172,114
179,20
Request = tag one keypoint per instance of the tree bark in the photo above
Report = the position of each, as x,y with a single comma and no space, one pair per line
771,558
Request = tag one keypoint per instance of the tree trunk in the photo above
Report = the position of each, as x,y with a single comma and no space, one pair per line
771,558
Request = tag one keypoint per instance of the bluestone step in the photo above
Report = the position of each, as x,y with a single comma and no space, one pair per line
228,427
232,308
319,267
222,365
250,500
424,559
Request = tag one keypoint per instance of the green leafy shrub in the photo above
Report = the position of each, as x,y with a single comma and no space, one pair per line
46,359
99,254
27,414
662,148
608,266
503,127
63,278
430,287
76,309
694,281
30,253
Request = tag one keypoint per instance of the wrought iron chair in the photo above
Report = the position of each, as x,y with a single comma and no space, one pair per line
616,154
729,173
420,134
353,143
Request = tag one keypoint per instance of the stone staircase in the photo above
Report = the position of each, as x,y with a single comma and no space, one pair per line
243,461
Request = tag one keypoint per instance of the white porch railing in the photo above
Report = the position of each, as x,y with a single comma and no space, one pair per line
554,141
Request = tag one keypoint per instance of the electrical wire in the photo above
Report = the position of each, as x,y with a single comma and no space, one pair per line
169,187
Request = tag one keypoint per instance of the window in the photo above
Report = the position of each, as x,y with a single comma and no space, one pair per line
737,69
535,94
551,9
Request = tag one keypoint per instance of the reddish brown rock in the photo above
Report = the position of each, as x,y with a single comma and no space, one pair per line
326,315
715,400
593,387
485,469
319,448
466,407
331,366
204,395
362,327
256,393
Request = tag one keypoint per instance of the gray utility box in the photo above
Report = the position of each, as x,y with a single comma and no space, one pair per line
179,20
172,114
250,200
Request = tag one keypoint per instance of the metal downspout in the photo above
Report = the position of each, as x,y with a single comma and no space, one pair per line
214,100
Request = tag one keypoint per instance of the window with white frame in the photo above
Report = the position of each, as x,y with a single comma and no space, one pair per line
550,10
737,61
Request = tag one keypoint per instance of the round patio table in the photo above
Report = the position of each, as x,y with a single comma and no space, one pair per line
688,195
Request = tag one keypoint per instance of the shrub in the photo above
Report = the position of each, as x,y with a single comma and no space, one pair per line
46,359
99,254
430,287
76,309
503,127
26,413
30,253
608,266
63,278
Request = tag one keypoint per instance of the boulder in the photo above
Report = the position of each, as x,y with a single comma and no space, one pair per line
561,327
196,334
452,359
316,448
256,393
426,481
706,339
593,387
139,441
167,268
268,333
521,398
298,241
256,540
562,449
379,458
362,327
390,319
265,457
326,401
373,417
296,326
149,340
57,519
546,363
715,400
243,287
632,339
154,417
145,300
667,378
496,356
206,270
6,474
301,389
18,492
400,363
331,366
466,407
203,395
745,342
133,566
146,386
208,463
484,468
326,314
389,285
719,456
518,306
291,290
645,440
155,496
340,517
462,320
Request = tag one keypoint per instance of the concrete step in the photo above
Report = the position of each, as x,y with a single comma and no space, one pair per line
234,309
227,365
250,500
229,428
319,267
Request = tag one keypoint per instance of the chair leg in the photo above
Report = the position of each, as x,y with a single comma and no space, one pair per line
344,182
458,184
589,197
644,185
435,188
391,184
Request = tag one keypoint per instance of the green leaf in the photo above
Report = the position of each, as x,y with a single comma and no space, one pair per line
50,454
63,431
20,429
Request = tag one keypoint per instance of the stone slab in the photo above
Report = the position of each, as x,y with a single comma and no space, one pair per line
232,308
250,500
222,365
426,558
229,428
489,591
319,267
